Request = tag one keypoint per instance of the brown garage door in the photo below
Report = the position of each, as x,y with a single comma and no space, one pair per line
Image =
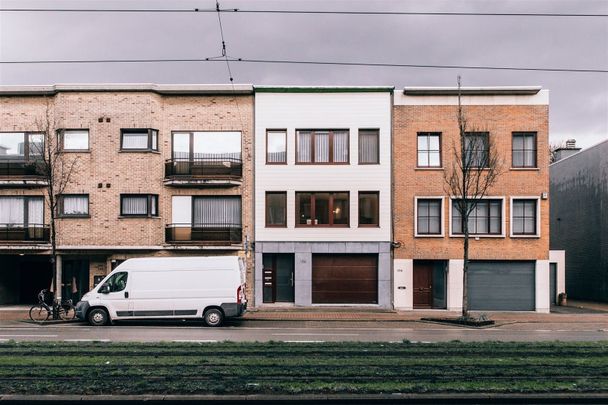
344,279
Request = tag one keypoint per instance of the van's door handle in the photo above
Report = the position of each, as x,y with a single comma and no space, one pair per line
126,294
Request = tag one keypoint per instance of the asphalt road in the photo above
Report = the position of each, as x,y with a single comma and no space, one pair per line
299,331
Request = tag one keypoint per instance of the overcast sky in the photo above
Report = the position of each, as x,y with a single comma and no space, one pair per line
579,101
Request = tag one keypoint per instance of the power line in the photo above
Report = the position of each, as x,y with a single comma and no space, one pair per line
308,62
313,12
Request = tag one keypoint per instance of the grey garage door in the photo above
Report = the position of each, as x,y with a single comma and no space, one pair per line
501,286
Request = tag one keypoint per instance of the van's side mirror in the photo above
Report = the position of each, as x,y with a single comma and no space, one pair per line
104,289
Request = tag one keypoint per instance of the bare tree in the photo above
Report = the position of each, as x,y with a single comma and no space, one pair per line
56,169
475,167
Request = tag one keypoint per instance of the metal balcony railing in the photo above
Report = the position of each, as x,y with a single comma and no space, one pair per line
21,233
229,168
21,167
215,233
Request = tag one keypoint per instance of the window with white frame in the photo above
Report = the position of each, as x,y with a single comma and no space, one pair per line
485,217
75,139
429,149
524,217
139,205
428,216
74,205
139,139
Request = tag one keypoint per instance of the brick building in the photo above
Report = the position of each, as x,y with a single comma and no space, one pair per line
509,248
158,170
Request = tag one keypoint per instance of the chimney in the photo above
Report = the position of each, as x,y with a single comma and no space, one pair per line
569,150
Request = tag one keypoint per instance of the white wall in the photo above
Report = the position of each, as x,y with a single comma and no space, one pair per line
543,285
455,284
403,284
293,111
181,209
559,257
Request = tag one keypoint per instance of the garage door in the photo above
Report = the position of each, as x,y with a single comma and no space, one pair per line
501,286
344,279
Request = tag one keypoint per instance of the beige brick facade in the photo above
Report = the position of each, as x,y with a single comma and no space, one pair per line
409,181
105,172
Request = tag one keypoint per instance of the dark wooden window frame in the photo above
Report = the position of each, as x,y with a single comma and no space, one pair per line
486,134
61,134
152,200
426,199
524,134
312,209
60,214
286,146
428,134
377,133
489,218
284,194
331,146
377,194
524,217
150,131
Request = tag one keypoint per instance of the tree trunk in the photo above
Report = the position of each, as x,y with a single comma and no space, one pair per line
465,270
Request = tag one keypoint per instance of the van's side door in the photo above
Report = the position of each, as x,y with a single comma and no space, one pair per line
115,294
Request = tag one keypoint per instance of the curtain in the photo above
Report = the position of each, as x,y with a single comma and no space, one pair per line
321,147
11,211
134,205
368,147
76,205
35,211
214,211
135,140
340,147
304,146
276,147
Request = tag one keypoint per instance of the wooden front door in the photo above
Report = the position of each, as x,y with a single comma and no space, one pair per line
423,285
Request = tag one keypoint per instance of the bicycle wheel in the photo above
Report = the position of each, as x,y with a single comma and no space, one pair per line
67,312
39,313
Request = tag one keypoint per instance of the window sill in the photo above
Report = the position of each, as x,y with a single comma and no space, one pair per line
139,151
368,226
525,236
428,236
429,168
74,216
479,236
138,217
525,169
76,151
276,226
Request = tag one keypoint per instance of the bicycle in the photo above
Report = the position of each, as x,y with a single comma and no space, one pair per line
42,311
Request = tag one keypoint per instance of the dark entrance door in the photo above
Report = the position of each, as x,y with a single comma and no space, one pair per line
344,279
278,276
423,285
74,279
553,282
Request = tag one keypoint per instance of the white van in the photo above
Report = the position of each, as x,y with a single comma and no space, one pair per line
212,288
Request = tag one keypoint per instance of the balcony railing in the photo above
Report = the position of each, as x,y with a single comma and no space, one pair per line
211,168
218,233
21,168
20,233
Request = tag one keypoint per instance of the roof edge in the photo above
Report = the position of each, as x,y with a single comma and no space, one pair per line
168,89
581,150
324,89
472,91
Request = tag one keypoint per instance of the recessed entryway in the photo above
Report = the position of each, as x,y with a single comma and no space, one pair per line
429,284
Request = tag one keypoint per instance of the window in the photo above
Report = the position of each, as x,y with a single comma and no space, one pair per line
369,151
139,205
368,208
524,149
75,139
139,139
276,209
322,209
207,146
215,212
74,205
276,147
524,217
20,145
21,211
476,149
322,146
484,219
117,282
429,149
428,216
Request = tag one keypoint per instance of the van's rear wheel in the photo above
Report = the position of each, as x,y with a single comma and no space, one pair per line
213,317
98,317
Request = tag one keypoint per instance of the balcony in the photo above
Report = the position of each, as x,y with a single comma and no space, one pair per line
205,234
21,173
210,171
18,233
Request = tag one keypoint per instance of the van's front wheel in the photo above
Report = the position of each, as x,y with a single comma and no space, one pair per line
213,317
98,317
